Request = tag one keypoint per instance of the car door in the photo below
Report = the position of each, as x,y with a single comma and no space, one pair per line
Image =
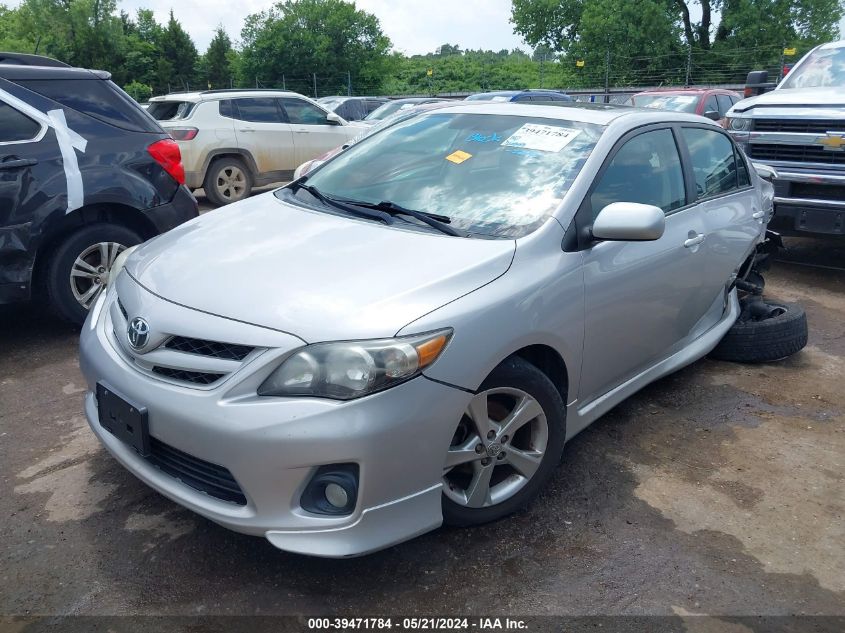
725,104
313,134
24,165
642,299
729,206
28,160
262,129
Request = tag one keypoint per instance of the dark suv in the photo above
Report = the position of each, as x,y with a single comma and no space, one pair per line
84,174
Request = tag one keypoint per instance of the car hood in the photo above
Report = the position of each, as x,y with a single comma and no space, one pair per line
312,274
805,97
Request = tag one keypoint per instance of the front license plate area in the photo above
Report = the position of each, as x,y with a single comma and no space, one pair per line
123,419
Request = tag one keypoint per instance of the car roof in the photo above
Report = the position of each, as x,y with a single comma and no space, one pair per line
15,72
686,91
598,114
210,95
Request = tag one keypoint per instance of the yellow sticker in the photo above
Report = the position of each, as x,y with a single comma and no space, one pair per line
458,157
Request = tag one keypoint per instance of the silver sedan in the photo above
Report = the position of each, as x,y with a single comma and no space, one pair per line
410,334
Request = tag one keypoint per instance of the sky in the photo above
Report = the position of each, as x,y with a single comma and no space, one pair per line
414,26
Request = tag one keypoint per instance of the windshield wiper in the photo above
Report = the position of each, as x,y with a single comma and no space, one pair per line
352,209
434,220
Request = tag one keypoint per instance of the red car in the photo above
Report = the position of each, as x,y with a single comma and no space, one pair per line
713,103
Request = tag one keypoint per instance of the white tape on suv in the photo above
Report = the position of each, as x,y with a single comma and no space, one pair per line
68,140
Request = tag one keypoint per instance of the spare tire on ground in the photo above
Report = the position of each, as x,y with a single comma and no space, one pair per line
766,331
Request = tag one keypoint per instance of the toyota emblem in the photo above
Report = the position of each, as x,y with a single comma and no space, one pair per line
138,333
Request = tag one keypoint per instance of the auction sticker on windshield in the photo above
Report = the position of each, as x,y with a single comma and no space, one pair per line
546,138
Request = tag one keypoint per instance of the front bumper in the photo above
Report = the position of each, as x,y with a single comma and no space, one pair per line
273,446
809,201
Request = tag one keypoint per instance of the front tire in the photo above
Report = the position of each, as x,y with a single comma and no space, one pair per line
228,180
506,445
78,271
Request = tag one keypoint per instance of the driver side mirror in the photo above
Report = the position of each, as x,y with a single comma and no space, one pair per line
713,115
629,222
334,119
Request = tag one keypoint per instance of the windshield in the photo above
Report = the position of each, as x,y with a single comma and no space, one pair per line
494,175
391,107
677,103
169,110
823,68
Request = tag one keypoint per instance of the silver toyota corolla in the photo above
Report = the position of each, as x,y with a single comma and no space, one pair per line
410,334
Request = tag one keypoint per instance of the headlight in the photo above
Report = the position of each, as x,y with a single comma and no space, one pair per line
737,124
120,262
348,370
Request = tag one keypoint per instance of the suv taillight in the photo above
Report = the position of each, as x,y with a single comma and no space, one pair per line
166,153
183,133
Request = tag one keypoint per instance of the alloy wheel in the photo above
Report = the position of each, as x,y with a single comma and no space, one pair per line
497,448
231,182
90,272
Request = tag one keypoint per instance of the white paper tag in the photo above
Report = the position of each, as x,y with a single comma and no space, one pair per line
546,138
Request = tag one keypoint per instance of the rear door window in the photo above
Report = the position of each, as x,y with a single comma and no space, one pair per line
647,169
259,110
301,112
713,161
16,126
169,110
98,98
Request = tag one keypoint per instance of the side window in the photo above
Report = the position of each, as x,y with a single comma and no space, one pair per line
724,104
226,109
15,126
713,162
303,113
258,110
742,177
647,169
711,105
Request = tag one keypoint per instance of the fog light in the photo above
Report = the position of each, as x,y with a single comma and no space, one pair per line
332,490
336,495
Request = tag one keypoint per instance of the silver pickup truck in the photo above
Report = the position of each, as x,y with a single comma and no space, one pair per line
799,129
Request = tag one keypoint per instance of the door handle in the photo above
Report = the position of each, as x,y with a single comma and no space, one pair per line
694,241
18,164
301,131
758,215
246,130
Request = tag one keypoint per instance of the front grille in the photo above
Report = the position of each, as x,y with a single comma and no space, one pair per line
818,192
796,153
216,481
226,351
122,310
195,377
819,126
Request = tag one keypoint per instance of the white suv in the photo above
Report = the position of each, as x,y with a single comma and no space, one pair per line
233,140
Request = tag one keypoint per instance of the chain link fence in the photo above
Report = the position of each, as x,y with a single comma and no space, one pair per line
612,78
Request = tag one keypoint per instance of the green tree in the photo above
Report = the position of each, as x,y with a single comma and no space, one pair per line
331,38
217,60
178,56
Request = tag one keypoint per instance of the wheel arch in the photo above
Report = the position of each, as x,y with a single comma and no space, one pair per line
549,361
107,213
225,152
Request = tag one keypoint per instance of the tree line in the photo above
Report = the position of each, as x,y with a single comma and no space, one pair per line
332,47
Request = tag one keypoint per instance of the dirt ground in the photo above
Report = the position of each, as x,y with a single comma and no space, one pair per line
717,490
